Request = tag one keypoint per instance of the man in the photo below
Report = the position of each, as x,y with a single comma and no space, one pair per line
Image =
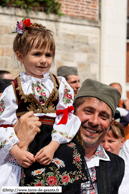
95,105
71,76
122,103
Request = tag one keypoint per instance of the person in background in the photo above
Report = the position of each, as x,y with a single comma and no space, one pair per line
122,103
71,76
122,110
124,153
5,80
4,83
114,139
114,143
5,75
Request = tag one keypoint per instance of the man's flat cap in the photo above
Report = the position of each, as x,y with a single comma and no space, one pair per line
108,94
66,70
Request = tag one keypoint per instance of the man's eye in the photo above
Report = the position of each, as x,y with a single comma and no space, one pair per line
103,117
87,111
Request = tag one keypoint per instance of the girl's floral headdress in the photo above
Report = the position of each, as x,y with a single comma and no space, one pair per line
21,26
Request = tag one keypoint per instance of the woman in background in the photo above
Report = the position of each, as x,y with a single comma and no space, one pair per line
114,139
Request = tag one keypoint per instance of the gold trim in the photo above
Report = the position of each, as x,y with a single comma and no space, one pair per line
29,98
49,106
14,91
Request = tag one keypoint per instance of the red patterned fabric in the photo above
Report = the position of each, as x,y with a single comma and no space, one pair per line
93,178
47,120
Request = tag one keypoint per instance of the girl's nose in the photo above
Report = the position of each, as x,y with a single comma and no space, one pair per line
43,59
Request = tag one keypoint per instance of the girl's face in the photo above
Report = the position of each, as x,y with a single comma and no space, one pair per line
37,61
112,144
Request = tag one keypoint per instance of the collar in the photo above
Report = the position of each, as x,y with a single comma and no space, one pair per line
100,154
26,78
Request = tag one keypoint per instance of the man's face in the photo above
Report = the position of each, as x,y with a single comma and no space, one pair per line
96,117
74,82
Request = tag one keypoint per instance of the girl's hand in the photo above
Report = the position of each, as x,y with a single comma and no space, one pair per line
45,155
24,158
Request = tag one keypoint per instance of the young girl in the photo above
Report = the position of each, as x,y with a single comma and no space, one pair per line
51,99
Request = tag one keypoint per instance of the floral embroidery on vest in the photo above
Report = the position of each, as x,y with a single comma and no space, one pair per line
67,95
2,106
54,177
76,156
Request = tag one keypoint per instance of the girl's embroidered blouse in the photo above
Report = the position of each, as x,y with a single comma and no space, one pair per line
62,133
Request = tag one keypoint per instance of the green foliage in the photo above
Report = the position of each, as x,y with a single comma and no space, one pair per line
47,6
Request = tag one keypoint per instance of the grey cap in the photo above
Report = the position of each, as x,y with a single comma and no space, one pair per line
66,70
108,94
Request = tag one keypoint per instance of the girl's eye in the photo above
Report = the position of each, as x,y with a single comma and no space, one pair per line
48,55
36,54
111,141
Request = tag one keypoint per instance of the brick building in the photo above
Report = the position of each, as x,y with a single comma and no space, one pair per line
88,9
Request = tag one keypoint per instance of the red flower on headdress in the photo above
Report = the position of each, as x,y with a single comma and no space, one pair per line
27,22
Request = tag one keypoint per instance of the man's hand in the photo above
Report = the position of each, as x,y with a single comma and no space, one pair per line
26,129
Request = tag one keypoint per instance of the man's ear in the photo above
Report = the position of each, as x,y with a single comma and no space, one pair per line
19,56
110,123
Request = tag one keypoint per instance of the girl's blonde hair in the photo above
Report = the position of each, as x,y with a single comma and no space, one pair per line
35,32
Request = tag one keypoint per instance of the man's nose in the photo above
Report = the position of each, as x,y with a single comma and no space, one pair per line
94,119
78,85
